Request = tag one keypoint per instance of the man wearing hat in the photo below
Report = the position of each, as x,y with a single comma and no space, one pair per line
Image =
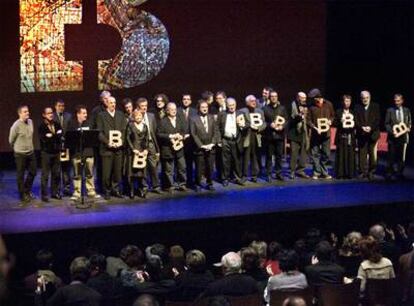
321,115
233,283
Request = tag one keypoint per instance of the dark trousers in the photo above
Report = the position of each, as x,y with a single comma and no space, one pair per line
168,171
189,162
66,167
152,166
230,157
50,166
367,150
251,156
112,171
298,151
25,163
274,149
344,158
396,157
320,151
204,166
219,164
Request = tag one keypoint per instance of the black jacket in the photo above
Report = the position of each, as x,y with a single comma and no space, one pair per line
235,284
75,294
270,114
105,123
199,134
370,118
50,142
324,273
164,130
391,120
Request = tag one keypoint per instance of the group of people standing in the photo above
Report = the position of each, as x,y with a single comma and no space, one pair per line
215,136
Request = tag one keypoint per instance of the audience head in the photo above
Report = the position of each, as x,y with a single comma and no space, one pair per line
274,97
153,268
324,251
59,106
313,237
97,264
127,106
370,249
294,301
260,247
250,259
132,256
160,250
202,107
378,232
230,263
273,250
195,261
350,244
47,114
221,98
266,92
207,96
288,260
79,269
146,300
44,259
81,113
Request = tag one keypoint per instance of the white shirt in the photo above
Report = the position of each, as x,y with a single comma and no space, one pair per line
230,129
146,121
111,113
400,114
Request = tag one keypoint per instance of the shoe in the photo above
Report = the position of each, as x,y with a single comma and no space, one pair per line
303,175
240,182
210,188
225,183
268,179
182,188
107,196
157,190
31,196
44,198
327,177
370,176
131,195
280,177
253,179
197,188
143,193
57,196
117,194
292,176
171,190
75,197
94,196
315,177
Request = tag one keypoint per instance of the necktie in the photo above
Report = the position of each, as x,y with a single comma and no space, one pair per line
399,117
205,123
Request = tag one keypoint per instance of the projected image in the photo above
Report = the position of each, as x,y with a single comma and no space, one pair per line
43,67
42,47
145,45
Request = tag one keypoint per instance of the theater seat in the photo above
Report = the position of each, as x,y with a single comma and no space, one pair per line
278,296
340,295
381,292
246,300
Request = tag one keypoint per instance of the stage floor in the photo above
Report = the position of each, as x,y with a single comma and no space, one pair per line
234,200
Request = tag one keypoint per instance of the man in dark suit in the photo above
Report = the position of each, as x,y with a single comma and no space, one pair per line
264,100
63,117
153,148
77,293
50,135
205,134
232,126
398,136
172,131
276,120
161,101
111,125
368,132
323,270
299,136
187,112
252,142
233,282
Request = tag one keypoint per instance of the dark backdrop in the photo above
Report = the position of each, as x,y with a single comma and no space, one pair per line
240,46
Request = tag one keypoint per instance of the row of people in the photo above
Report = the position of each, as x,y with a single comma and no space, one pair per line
212,136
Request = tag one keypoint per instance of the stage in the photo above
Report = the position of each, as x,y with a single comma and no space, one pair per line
251,199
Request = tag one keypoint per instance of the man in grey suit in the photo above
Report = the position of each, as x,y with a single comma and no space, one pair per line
398,126
63,118
111,125
205,133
